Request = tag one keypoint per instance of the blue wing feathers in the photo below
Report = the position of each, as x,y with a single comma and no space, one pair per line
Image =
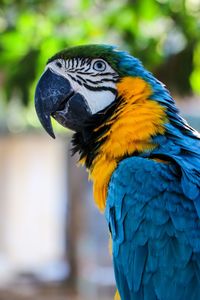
140,256
154,225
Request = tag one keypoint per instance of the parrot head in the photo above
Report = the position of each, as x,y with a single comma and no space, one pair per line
79,85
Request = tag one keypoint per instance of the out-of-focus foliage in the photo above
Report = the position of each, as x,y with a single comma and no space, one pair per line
164,34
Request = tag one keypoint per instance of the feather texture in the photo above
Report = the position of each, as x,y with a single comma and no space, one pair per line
155,232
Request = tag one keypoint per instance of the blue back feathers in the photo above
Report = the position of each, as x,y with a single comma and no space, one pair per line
155,229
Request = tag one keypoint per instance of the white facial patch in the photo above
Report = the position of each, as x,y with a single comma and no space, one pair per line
92,78
96,100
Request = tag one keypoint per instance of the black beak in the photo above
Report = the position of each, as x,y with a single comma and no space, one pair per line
51,92
55,97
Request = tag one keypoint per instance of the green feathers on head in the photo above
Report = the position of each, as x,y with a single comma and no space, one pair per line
106,52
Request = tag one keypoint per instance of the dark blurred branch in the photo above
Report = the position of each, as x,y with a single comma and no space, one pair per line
75,219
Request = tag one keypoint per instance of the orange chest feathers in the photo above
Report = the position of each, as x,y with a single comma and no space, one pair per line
131,129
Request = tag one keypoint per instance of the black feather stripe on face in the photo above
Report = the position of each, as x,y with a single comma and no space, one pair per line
86,142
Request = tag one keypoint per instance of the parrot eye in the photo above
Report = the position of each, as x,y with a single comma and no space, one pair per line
99,65
58,64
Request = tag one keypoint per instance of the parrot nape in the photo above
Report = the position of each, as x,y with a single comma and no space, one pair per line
143,159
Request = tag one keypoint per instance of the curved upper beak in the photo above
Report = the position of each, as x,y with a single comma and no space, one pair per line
51,92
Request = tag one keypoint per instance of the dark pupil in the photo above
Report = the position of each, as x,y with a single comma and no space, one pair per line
99,65
58,64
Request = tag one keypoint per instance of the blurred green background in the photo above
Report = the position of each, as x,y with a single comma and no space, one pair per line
165,35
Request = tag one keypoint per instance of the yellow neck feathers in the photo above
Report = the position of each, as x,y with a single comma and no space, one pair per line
132,125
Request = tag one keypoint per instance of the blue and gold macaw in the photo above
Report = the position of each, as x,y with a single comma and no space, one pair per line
143,159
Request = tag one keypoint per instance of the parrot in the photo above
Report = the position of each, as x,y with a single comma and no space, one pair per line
143,159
